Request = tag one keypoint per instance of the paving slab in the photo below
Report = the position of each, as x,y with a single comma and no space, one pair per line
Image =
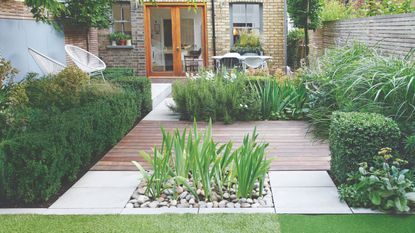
237,210
82,211
160,211
94,198
102,179
308,200
159,91
300,179
366,211
162,112
23,210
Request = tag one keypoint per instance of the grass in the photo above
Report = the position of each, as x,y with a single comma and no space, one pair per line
209,223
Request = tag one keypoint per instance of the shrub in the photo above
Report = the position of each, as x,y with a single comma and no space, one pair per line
7,72
247,43
47,145
383,185
217,97
141,87
355,77
335,10
294,51
355,137
115,72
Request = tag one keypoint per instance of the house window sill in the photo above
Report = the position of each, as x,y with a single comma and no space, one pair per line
120,47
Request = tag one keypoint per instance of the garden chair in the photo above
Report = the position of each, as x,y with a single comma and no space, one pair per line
254,61
46,64
86,61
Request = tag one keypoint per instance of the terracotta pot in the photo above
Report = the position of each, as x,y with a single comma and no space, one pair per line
123,42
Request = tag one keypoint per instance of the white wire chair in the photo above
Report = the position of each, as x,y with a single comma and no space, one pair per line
86,61
254,61
46,64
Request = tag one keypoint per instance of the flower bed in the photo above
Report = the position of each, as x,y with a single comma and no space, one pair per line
191,170
185,199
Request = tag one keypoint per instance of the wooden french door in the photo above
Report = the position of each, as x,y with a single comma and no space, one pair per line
175,36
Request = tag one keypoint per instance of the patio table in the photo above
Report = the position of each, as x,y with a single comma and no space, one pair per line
241,58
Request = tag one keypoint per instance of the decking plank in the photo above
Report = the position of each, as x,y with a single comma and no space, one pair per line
289,143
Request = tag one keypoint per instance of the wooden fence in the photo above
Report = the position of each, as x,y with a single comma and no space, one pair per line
391,34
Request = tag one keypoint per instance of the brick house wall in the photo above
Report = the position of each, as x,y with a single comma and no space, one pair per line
272,36
133,57
14,9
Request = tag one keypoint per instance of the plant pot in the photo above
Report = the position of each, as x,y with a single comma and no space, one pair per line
123,42
114,43
128,42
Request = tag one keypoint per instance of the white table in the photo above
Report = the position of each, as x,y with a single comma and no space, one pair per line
241,59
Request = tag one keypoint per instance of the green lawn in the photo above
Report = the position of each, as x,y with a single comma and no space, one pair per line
209,223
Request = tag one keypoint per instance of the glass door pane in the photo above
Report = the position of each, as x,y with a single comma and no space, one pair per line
161,29
191,34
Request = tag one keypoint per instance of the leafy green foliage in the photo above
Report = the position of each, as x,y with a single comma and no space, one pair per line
85,13
247,43
7,72
335,10
250,165
117,72
210,167
57,126
357,78
225,97
294,41
302,10
382,185
354,137
282,99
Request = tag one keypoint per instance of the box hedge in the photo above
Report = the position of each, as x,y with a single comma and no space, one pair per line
56,144
357,137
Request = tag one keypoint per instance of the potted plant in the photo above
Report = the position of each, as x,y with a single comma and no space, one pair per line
128,38
113,38
247,43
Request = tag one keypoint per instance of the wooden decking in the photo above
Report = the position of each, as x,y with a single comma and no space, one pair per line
290,145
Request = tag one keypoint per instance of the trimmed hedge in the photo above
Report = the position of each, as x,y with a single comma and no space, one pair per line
141,86
356,137
57,145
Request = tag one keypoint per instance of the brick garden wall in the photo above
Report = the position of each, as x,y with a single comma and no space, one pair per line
14,9
391,34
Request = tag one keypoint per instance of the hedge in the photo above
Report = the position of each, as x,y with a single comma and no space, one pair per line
356,137
56,147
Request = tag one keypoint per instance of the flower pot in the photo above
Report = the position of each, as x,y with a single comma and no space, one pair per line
128,42
123,42
114,43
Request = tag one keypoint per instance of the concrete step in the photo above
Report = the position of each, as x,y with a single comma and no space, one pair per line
159,91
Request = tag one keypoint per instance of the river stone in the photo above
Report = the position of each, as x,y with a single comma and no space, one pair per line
215,204
202,204
129,205
154,204
226,195
245,205
183,201
249,200
192,201
173,202
222,203
209,205
183,195
179,190
255,205
230,205
142,199
237,205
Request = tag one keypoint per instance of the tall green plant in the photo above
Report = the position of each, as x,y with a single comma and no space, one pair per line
251,165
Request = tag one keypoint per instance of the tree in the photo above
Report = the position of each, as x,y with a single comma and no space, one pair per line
83,13
305,14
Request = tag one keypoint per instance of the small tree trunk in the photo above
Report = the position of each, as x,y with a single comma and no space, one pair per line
306,33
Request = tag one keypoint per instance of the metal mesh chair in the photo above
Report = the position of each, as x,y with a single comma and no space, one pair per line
86,61
46,64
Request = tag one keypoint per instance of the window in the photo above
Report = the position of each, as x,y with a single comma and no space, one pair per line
121,16
245,17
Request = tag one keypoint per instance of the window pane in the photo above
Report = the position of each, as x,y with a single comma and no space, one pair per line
238,15
127,12
253,15
116,12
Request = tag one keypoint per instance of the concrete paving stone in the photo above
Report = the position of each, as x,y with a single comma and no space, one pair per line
82,211
162,112
102,179
300,179
366,211
159,91
237,210
23,210
309,200
94,198
160,211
